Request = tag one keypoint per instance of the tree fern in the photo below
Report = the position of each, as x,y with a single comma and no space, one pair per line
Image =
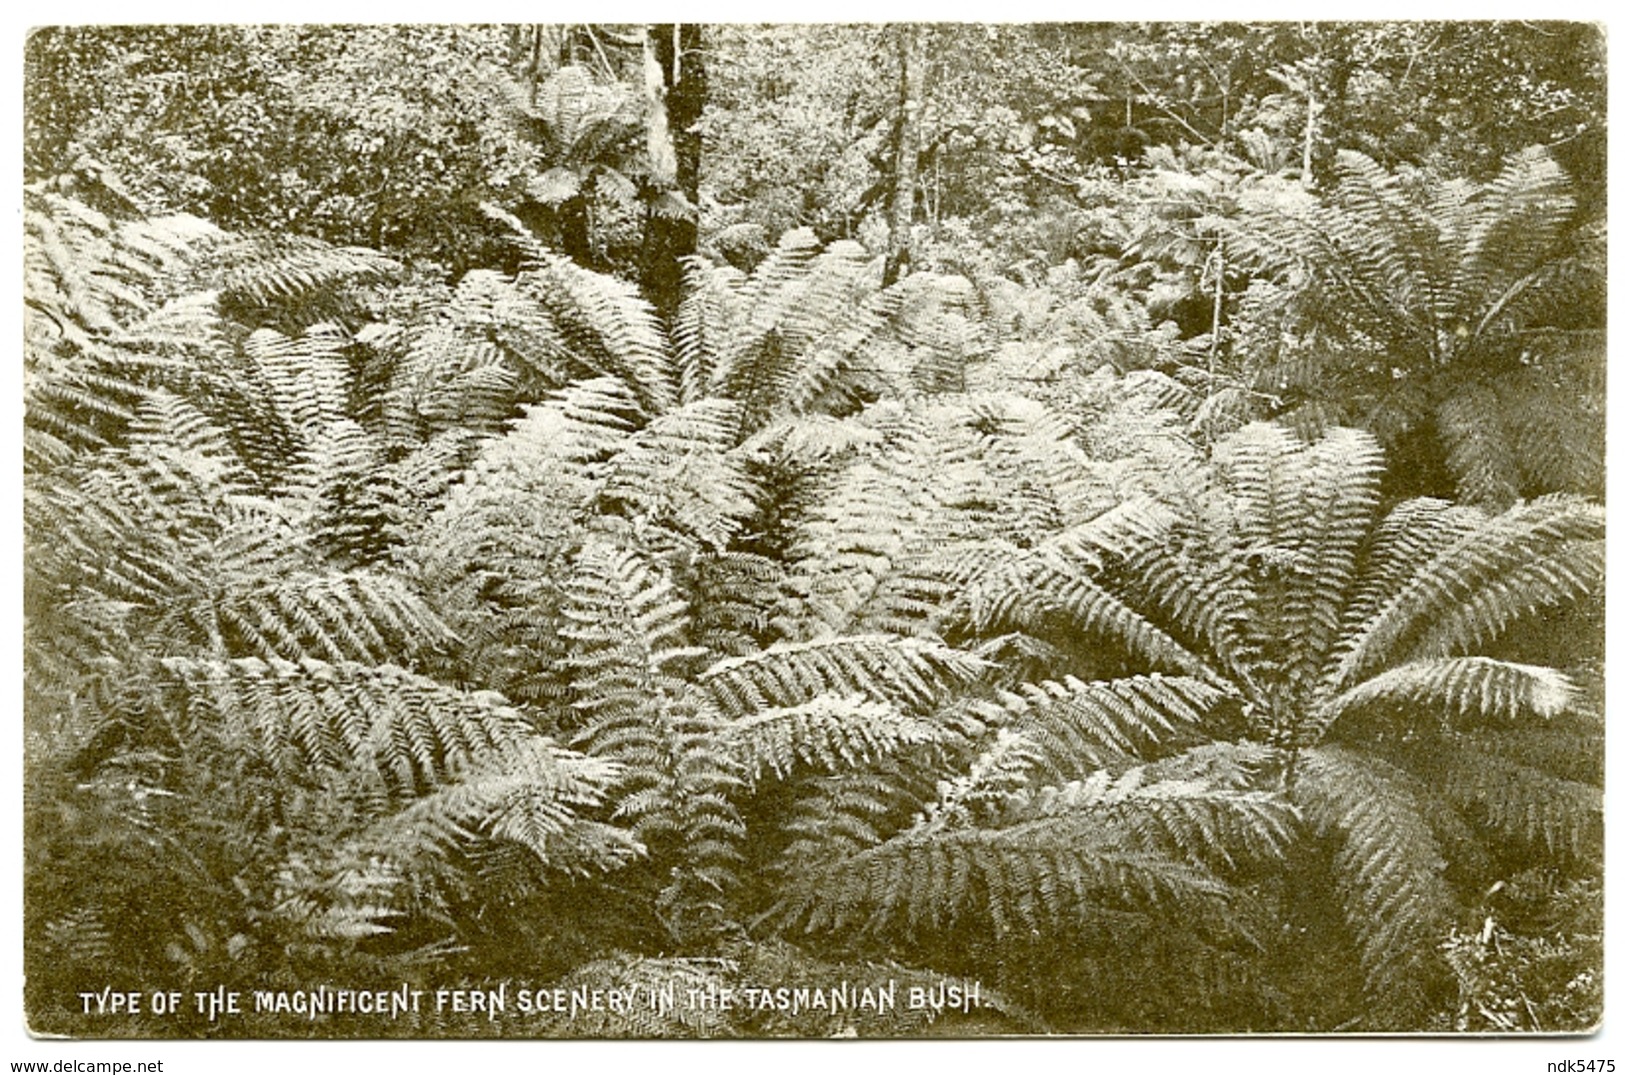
1349,648
1446,301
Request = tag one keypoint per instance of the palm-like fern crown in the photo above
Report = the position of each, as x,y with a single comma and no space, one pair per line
1466,305
1356,647
585,128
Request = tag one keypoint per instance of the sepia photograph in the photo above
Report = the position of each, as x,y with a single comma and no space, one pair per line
849,530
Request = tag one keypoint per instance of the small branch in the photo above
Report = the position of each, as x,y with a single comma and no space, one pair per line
1152,96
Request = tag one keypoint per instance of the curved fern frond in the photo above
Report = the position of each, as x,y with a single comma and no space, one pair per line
605,324
1477,440
1562,817
87,282
626,625
831,732
1535,554
1035,875
1079,727
731,597
712,304
295,273
1062,576
412,733
307,377
438,380
520,508
1520,213
846,811
680,471
1410,536
999,771
1301,512
1466,689
864,555
353,616
1185,819
532,796
910,673
1390,872
808,330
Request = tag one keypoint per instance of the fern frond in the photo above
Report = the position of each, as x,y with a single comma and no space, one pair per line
1390,873
348,903
680,471
353,616
1570,749
1554,412
293,270
307,376
519,510
731,597
1517,217
1411,299
863,555
1185,819
608,327
1301,513
410,732
441,381
848,811
710,307
831,732
532,796
998,772
910,673
1061,577
1467,689
1562,817
1032,876
626,625
806,331
87,282
1080,727
1476,582
94,275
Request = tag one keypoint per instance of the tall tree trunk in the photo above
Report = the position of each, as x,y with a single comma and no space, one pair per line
906,152
676,81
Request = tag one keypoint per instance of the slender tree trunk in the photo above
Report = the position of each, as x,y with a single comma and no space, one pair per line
906,154
1309,142
535,63
1218,316
575,230
675,78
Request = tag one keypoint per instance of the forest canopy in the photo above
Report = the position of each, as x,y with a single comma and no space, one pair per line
1095,526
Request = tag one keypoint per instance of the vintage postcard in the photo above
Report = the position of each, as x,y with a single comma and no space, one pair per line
896,530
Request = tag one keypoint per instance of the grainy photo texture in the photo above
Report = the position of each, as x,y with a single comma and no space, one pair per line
618,531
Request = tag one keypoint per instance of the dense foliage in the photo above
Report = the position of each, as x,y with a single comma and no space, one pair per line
485,524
